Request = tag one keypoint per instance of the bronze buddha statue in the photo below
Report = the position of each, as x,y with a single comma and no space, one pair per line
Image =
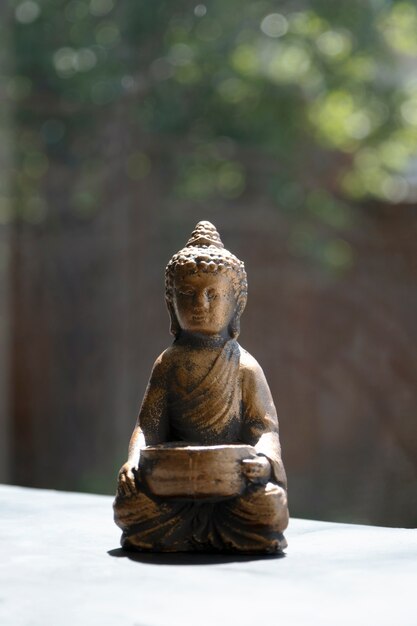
207,403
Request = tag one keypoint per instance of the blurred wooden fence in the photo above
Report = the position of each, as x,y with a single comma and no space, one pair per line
86,303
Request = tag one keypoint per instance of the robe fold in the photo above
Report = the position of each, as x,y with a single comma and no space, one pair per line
210,412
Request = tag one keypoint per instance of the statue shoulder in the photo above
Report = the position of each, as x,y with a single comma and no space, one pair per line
257,396
253,376
168,360
249,366
164,363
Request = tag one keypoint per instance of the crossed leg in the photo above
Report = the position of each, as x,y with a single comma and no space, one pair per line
251,523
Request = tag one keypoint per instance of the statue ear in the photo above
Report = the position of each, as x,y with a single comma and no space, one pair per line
234,325
175,328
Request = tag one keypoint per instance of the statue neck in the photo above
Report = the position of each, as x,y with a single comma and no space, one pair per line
199,340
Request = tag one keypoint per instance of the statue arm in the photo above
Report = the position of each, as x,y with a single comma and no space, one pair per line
260,427
152,425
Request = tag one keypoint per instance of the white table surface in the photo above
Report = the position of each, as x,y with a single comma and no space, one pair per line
60,564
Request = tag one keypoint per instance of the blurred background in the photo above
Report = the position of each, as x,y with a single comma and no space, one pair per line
292,125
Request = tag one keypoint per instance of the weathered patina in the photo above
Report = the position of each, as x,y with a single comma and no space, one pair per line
204,469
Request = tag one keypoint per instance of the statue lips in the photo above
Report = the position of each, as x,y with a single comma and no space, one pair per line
199,316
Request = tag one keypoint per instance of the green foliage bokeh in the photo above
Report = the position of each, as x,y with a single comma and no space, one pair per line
315,100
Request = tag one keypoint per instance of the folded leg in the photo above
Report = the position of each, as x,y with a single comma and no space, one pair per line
150,524
255,521
251,523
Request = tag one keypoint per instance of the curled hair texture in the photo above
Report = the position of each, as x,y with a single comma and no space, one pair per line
205,252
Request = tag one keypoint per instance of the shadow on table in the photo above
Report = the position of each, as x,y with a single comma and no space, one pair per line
185,558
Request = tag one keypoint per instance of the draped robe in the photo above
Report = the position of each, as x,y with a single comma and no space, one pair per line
228,403
209,413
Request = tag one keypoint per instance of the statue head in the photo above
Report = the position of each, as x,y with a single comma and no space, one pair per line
205,285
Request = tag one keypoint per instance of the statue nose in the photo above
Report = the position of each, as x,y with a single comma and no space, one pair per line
201,301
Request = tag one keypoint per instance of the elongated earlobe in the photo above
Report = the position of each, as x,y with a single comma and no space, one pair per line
175,328
234,327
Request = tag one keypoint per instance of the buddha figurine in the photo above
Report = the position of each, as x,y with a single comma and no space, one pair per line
206,392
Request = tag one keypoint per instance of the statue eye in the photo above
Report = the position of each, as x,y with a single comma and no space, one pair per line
186,291
211,294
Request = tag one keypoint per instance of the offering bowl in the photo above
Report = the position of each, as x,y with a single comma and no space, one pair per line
181,470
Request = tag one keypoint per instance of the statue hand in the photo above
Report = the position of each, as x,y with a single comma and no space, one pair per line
257,470
126,485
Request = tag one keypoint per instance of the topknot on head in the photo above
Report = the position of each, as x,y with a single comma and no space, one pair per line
204,234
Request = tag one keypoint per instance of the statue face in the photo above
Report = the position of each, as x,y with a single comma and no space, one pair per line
204,302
